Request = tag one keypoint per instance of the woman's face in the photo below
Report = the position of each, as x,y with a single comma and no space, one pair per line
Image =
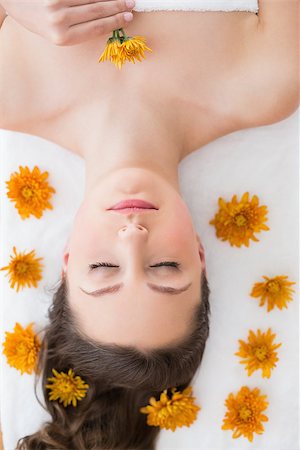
134,303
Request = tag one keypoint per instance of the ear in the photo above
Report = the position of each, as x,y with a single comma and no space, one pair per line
65,259
201,253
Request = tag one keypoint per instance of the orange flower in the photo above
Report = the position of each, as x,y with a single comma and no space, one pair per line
237,222
120,49
244,413
169,413
275,291
24,269
30,192
66,388
21,348
259,352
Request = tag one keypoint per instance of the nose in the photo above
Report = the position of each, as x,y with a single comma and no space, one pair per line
133,231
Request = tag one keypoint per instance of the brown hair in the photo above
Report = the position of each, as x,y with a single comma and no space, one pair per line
121,380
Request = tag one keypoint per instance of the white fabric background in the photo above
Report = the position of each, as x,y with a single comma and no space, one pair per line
263,161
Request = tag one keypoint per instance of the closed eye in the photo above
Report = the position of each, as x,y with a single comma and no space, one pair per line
101,264
167,263
174,264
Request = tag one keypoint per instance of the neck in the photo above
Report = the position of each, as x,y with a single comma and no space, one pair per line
141,143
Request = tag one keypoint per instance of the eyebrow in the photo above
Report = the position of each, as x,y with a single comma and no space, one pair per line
157,288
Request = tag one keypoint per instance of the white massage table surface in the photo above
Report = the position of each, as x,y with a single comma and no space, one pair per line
263,161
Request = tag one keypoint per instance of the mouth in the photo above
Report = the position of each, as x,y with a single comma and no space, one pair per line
133,210
132,205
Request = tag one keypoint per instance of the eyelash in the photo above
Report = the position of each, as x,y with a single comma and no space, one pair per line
174,264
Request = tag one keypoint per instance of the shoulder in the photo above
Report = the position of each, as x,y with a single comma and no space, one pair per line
22,76
268,77
260,86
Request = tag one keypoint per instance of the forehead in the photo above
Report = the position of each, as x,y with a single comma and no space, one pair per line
136,316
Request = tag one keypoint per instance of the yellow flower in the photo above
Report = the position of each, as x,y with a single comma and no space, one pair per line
24,269
237,222
244,413
66,387
170,413
275,291
120,49
259,352
30,191
21,348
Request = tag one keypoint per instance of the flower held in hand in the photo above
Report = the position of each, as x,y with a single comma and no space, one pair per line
120,49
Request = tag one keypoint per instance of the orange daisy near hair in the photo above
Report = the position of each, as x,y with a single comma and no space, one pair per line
237,222
169,413
66,388
259,352
30,191
21,348
24,269
120,49
244,413
274,291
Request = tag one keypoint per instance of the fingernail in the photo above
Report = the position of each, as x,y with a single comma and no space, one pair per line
130,3
128,16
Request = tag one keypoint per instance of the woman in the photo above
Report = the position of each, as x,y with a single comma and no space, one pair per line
113,319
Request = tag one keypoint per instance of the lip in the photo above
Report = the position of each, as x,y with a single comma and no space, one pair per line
132,205
132,211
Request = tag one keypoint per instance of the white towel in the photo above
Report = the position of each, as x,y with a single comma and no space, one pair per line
196,5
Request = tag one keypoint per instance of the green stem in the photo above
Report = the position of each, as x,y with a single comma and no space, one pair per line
124,34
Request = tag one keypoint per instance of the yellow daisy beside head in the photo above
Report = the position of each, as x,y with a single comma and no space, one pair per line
24,269
66,387
259,352
275,292
21,348
237,221
30,191
169,413
245,413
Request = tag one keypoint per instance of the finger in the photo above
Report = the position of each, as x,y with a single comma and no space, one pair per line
95,28
74,3
86,13
58,4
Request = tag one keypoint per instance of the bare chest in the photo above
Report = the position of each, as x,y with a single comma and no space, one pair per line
63,94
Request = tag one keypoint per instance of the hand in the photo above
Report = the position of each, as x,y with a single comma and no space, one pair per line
68,22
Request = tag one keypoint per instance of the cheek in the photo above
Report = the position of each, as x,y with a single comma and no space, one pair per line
83,230
181,229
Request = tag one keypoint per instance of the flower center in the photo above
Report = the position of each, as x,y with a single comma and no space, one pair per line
21,268
66,387
27,192
261,352
245,413
273,287
240,220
